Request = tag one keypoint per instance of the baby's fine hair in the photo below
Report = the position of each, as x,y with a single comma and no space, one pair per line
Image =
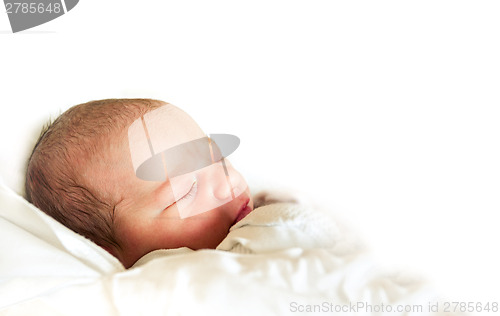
54,181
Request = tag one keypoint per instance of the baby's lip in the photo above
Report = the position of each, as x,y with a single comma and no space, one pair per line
245,209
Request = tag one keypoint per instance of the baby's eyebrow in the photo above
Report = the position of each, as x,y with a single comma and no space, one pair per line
179,160
160,163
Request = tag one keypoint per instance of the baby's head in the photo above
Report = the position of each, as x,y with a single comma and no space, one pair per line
82,172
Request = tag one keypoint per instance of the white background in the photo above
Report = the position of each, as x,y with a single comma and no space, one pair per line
386,111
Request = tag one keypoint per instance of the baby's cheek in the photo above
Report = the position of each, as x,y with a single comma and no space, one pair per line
207,232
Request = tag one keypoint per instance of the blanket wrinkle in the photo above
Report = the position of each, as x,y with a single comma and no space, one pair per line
285,225
280,257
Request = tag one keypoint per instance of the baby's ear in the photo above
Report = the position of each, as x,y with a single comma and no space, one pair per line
266,197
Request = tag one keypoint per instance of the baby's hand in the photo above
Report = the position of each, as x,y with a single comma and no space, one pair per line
266,197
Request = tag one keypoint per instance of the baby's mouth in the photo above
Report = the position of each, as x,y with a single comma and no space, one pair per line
245,209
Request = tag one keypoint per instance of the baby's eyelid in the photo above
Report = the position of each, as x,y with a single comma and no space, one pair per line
170,205
163,194
194,187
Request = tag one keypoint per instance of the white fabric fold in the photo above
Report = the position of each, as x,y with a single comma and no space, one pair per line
278,260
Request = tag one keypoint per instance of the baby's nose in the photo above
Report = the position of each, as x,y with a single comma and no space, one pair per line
227,182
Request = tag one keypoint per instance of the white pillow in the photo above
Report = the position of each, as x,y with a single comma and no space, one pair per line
18,135
33,244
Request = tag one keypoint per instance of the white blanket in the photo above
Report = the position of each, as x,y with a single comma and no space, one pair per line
281,259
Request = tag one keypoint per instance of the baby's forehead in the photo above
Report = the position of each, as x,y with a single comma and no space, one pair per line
158,130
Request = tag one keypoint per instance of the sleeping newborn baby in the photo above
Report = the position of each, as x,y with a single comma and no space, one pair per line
140,178
119,173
